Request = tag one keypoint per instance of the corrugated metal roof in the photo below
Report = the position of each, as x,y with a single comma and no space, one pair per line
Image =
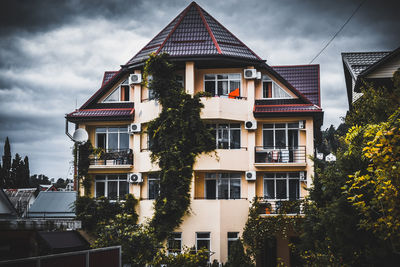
54,204
360,61
194,32
304,78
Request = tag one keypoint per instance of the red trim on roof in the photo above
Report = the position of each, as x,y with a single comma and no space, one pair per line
287,105
294,110
208,28
173,30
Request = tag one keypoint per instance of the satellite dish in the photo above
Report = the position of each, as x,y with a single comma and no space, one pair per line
80,136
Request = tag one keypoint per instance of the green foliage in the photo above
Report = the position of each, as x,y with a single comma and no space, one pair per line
188,258
178,136
137,241
238,256
94,213
259,229
85,150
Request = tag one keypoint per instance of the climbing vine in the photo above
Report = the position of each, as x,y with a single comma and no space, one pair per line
178,136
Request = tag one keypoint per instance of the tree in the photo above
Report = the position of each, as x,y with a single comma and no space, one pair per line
178,136
7,164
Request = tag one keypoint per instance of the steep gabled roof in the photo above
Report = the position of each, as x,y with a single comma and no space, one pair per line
357,62
305,78
107,76
195,33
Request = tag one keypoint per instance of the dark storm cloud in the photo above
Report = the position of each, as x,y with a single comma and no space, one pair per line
53,54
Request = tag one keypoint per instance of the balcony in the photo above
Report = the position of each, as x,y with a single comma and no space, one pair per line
224,108
273,207
112,158
280,156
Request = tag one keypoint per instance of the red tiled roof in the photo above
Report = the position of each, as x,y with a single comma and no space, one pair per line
104,114
286,108
107,76
305,78
194,32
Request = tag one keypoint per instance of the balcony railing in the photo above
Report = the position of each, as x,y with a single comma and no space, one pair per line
285,154
277,206
113,157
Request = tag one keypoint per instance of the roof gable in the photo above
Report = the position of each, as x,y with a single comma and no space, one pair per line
357,62
195,33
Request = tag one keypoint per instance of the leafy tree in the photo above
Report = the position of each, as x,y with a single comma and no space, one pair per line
7,164
238,256
189,257
178,136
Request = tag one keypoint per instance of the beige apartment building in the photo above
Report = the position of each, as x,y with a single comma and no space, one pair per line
264,118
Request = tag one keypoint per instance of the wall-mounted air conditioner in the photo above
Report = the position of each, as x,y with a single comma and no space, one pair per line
250,73
135,128
135,177
251,176
250,125
135,79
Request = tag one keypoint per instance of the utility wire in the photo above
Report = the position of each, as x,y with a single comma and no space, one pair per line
341,28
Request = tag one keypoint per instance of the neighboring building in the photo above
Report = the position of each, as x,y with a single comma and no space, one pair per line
264,125
47,187
7,209
376,67
54,205
21,198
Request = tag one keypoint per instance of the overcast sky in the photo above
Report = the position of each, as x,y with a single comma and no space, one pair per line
53,54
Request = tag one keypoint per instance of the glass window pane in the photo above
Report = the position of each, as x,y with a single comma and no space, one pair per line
278,92
235,189
235,139
113,97
113,141
222,87
233,234
234,85
266,78
123,141
268,138
223,136
269,190
293,136
112,189
209,77
280,138
100,189
280,125
267,89
281,189
123,189
203,244
234,76
294,175
211,192
210,87
269,175
101,140
203,235
268,126
154,189
235,125
294,125
223,188
222,76
101,130
280,175
294,188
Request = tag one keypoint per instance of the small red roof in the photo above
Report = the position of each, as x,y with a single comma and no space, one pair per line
102,114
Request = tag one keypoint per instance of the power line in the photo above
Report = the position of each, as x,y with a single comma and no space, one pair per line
341,28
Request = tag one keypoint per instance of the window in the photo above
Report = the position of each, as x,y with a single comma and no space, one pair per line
232,238
222,84
111,186
227,135
153,185
222,185
282,186
180,79
175,243
203,241
281,135
272,89
112,138
121,93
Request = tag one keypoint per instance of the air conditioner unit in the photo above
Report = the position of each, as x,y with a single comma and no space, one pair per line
303,176
135,128
135,177
135,78
250,73
251,176
250,125
302,124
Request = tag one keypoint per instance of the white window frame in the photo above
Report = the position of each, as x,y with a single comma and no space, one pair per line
287,128
231,239
217,177
222,80
107,132
176,239
121,178
123,83
152,177
287,179
204,238
229,134
267,79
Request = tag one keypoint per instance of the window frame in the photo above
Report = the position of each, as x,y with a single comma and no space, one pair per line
287,128
287,179
231,239
152,177
217,177
210,125
123,83
106,179
267,79
204,239
175,239
107,133
228,80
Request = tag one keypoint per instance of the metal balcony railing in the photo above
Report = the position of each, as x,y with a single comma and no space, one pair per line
113,157
285,154
278,206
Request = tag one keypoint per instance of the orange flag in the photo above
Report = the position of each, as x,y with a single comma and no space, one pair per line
235,93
